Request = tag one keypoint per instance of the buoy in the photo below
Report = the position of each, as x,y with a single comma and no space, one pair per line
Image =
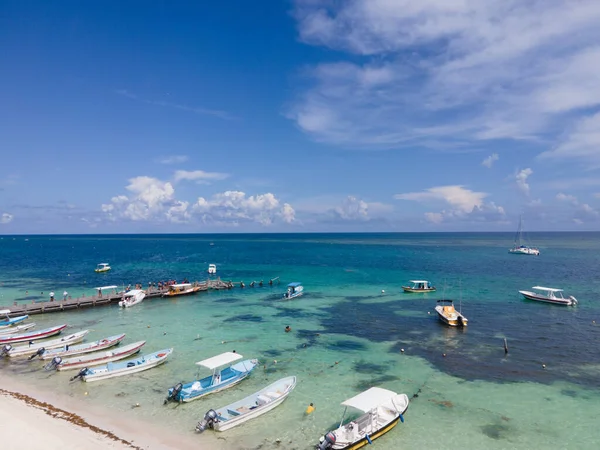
148,326
402,350
428,312
137,404
444,355
85,393
275,361
543,366
222,342
383,291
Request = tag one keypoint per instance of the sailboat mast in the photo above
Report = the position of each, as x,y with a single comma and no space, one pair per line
518,236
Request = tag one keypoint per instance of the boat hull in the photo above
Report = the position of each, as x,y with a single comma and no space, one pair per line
362,442
101,345
128,370
538,298
90,362
524,251
24,350
411,290
457,321
11,322
16,329
186,292
220,387
32,336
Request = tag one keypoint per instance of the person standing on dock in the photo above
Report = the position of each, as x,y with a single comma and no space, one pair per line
65,294
51,296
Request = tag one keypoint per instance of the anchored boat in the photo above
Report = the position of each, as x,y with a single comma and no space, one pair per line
16,329
102,267
549,295
181,289
293,290
212,268
7,321
381,410
41,346
94,359
32,336
81,349
219,380
419,286
520,247
248,408
132,298
449,315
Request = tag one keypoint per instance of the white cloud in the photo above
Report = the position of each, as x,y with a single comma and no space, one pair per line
521,180
439,72
173,159
6,218
567,198
582,212
199,176
352,208
490,160
581,142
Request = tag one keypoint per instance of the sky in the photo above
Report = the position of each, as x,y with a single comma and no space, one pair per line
299,116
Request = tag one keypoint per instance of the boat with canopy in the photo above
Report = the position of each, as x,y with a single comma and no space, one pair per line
102,267
549,295
419,286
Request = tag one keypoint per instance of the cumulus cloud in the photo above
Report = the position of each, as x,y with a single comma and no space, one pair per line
352,208
199,176
490,160
6,218
521,180
450,73
582,212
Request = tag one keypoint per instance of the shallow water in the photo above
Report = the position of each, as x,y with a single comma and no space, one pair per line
346,335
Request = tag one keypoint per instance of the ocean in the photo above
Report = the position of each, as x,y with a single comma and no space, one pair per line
354,328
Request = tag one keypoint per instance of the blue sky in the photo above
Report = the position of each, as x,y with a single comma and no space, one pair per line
306,115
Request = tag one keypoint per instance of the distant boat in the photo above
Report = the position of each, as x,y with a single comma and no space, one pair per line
293,290
132,298
33,348
94,359
102,267
419,286
449,315
212,268
7,321
549,295
519,246
248,408
32,336
80,349
181,289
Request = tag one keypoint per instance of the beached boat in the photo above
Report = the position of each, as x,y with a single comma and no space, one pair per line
102,267
181,289
94,359
7,321
449,315
41,346
248,408
16,329
81,349
381,410
132,298
113,370
293,290
520,247
32,336
549,295
419,286
212,268
219,380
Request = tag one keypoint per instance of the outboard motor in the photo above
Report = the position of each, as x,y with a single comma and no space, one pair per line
54,363
210,418
174,393
40,352
326,442
81,374
5,349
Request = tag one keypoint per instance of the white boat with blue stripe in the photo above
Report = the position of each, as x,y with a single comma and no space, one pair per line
219,380
7,321
294,290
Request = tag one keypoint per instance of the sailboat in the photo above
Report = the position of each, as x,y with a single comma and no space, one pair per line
519,248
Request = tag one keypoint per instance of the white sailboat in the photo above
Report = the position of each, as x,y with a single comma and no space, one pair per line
519,247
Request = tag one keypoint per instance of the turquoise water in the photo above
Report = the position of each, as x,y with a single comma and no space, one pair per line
346,334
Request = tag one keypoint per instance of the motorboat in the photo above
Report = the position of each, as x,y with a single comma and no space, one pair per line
81,349
119,369
419,286
219,380
212,268
379,409
7,321
549,295
16,329
449,315
131,298
181,289
40,346
520,247
94,359
248,408
293,290
102,267
32,336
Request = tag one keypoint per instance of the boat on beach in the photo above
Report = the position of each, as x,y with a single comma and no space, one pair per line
94,359
7,321
212,268
81,349
16,329
419,286
380,410
293,290
219,380
449,315
132,298
549,295
520,247
181,289
41,346
113,370
248,408
32,336
102,267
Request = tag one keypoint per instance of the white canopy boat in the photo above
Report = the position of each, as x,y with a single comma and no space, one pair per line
549,295
419,286
32,336
72,350
381,410
520,247
16,329
294,290
212,268
113,370
248,408
94,359
102,267
131,298
33,348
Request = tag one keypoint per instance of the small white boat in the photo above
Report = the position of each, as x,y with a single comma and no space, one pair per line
41,346
419,286
80,349
521,248
449,315
102,267
248,408
7,322
381,408
212,268
549,295
16,329
293,290
131,298
113,370
94,359
32,336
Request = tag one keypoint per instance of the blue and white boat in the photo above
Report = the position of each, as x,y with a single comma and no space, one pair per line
219,380
7,321
294,290
248,408
119,369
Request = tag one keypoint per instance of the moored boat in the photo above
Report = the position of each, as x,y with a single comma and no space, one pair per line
7,321
293,290
520,247
102,267
449,315
248,408
419,286
181,289
35,347
381,410
122,368
549,295
94,359
33,335
81,349
219,380
212,268
16,329
132,298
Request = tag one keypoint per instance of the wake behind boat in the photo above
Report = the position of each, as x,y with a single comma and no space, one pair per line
94,359
72,350
41,346
34,335
248,408
549,295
